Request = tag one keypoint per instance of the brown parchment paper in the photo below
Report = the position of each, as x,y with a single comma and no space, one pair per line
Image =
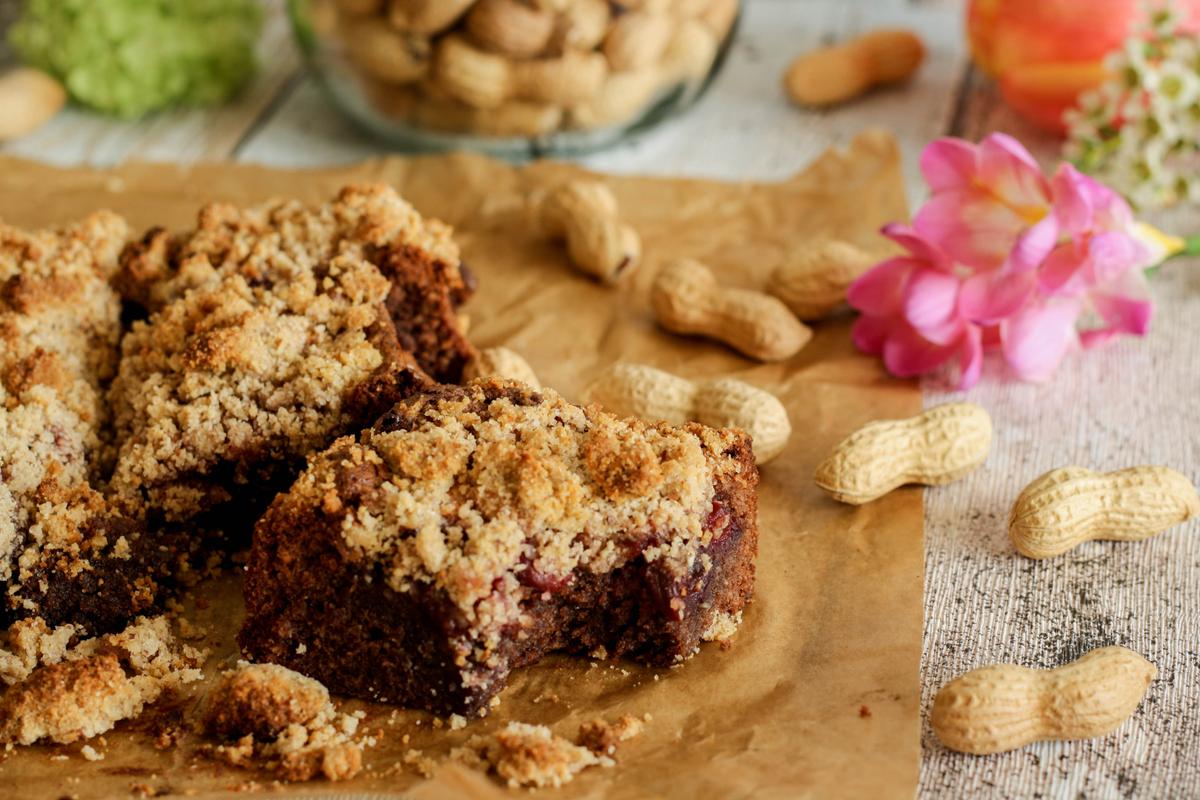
818,695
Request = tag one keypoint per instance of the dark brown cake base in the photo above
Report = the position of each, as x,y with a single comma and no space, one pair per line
313,609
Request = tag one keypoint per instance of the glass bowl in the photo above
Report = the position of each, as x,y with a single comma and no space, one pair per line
514,78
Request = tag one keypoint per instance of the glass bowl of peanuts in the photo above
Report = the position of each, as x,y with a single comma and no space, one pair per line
515,78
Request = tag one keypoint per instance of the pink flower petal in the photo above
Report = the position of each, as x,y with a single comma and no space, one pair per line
1008,170
1112,254
880,290
1109,209
990,297
949,163
970,358
1096,337
1033,245
1037,338
970,227
1072,199
870,333
907,353
1064,270
931,305
920,249
1125,303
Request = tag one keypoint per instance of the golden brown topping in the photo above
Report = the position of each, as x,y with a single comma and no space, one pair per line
59,325
279,239
282,721
262,700
72,700
531,755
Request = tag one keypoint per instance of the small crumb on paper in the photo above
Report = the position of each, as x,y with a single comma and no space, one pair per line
602,737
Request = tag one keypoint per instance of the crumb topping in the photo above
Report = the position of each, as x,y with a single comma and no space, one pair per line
29,643
59,328
279,239
723,626
263,700
242,373
80,692
531,755
283,721
493,490
603,737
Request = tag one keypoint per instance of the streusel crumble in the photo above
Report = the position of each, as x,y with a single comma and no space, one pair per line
59,538
273,242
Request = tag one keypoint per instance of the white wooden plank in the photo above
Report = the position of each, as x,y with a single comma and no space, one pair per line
79,136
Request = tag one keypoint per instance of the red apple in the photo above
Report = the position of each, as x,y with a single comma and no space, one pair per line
1043,53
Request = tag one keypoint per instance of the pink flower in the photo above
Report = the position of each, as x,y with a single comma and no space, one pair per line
1102,265
913,311
1002,258
991,205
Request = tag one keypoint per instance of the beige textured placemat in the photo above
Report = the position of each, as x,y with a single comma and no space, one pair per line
818,695
1136,401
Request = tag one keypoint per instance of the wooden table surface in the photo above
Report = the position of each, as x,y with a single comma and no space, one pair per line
1131,403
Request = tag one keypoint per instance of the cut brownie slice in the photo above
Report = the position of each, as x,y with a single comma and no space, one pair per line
60,541
223,391
474,529
418,256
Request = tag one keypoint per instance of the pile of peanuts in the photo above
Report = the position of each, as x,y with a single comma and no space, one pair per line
522,68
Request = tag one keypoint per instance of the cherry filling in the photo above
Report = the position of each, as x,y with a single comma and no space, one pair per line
534,578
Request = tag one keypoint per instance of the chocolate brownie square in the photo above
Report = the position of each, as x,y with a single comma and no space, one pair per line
474,529
223,391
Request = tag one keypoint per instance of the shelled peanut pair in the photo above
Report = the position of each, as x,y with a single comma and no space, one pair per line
523,68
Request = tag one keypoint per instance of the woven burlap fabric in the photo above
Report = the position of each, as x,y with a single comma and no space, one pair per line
1135,401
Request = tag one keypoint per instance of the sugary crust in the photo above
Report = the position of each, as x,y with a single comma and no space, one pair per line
490,490
271,242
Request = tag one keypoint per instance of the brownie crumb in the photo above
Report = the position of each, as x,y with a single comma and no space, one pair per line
864,711
420,763
602,737
531,755
273,718
97,683
724,626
